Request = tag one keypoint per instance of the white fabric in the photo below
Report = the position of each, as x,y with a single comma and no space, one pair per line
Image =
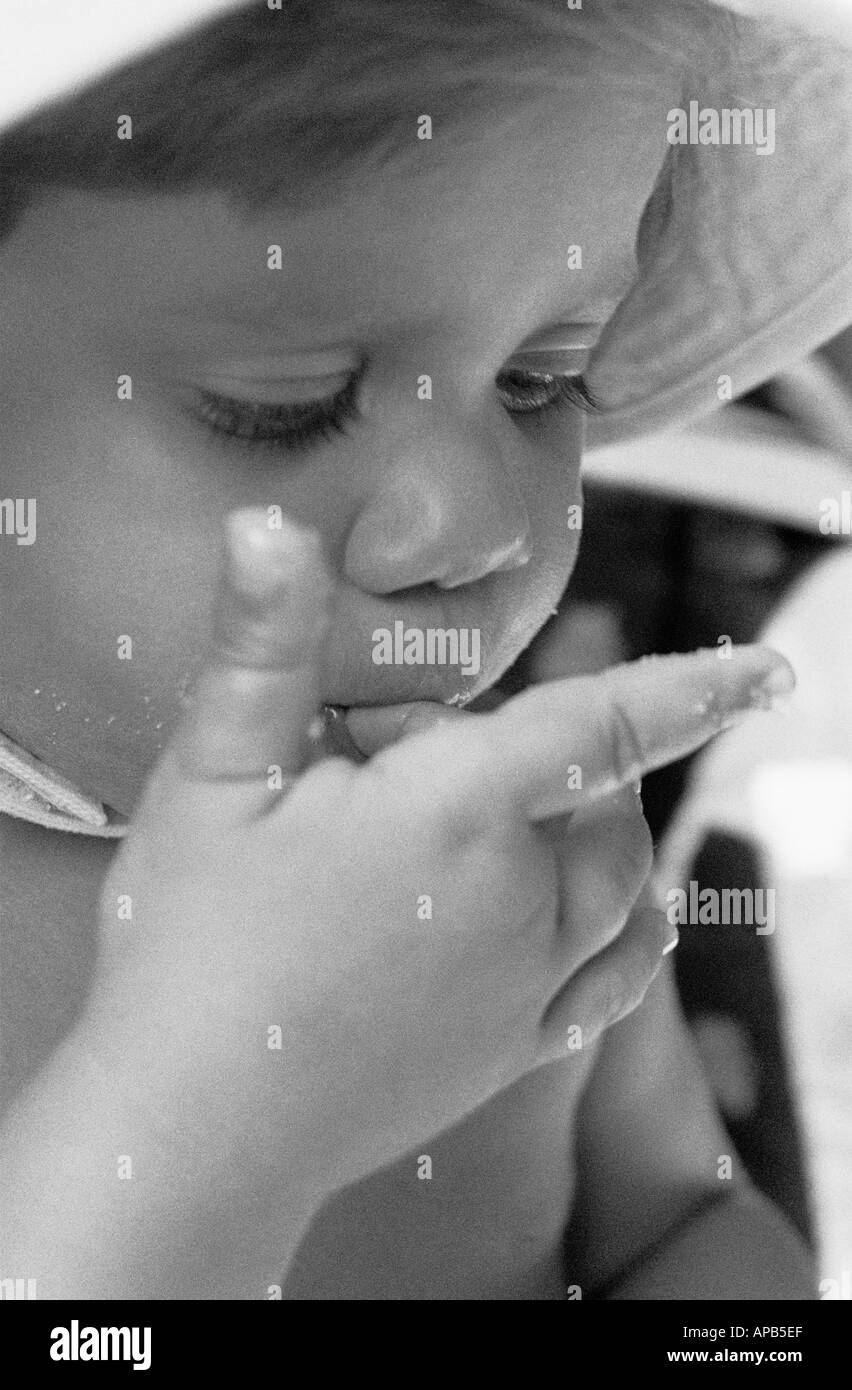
30,790
745,260
738,459
784,782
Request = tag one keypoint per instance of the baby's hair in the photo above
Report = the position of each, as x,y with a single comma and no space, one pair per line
288,106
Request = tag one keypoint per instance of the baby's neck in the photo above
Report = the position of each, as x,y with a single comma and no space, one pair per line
50,884
22,839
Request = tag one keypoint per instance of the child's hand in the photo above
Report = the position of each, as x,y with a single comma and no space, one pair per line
351,966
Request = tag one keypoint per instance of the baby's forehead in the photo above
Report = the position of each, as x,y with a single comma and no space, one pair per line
531,217
414,161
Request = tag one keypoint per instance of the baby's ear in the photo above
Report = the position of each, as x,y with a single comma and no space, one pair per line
743,253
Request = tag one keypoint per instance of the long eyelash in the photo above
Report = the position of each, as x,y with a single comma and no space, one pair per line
572,391
291,427
296,428
582,396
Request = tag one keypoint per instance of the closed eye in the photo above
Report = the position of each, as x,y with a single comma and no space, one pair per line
294,427
531,393
298,426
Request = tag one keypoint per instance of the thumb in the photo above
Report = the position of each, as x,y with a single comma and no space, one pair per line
246,732
375,727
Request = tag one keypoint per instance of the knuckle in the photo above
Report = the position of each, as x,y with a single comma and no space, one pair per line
421,784
458,762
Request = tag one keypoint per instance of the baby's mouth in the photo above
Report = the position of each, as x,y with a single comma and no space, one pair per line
359,731
336,738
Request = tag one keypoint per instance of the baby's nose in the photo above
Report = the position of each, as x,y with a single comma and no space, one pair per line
518,554
447,515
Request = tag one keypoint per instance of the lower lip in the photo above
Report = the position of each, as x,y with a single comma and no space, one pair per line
337,738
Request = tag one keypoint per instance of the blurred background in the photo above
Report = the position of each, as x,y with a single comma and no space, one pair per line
739,530
726,531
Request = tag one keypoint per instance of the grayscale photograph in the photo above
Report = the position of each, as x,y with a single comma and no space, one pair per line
425,669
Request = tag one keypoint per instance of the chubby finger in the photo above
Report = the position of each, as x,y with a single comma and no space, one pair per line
603,863
252,704
558,745
609,986
375,727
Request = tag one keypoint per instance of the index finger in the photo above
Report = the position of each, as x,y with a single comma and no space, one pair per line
253,700
555,746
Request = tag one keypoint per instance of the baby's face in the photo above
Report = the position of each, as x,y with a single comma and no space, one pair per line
445,275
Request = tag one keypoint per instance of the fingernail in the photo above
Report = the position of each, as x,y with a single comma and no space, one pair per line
762,694
265,559
672,938
779,680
